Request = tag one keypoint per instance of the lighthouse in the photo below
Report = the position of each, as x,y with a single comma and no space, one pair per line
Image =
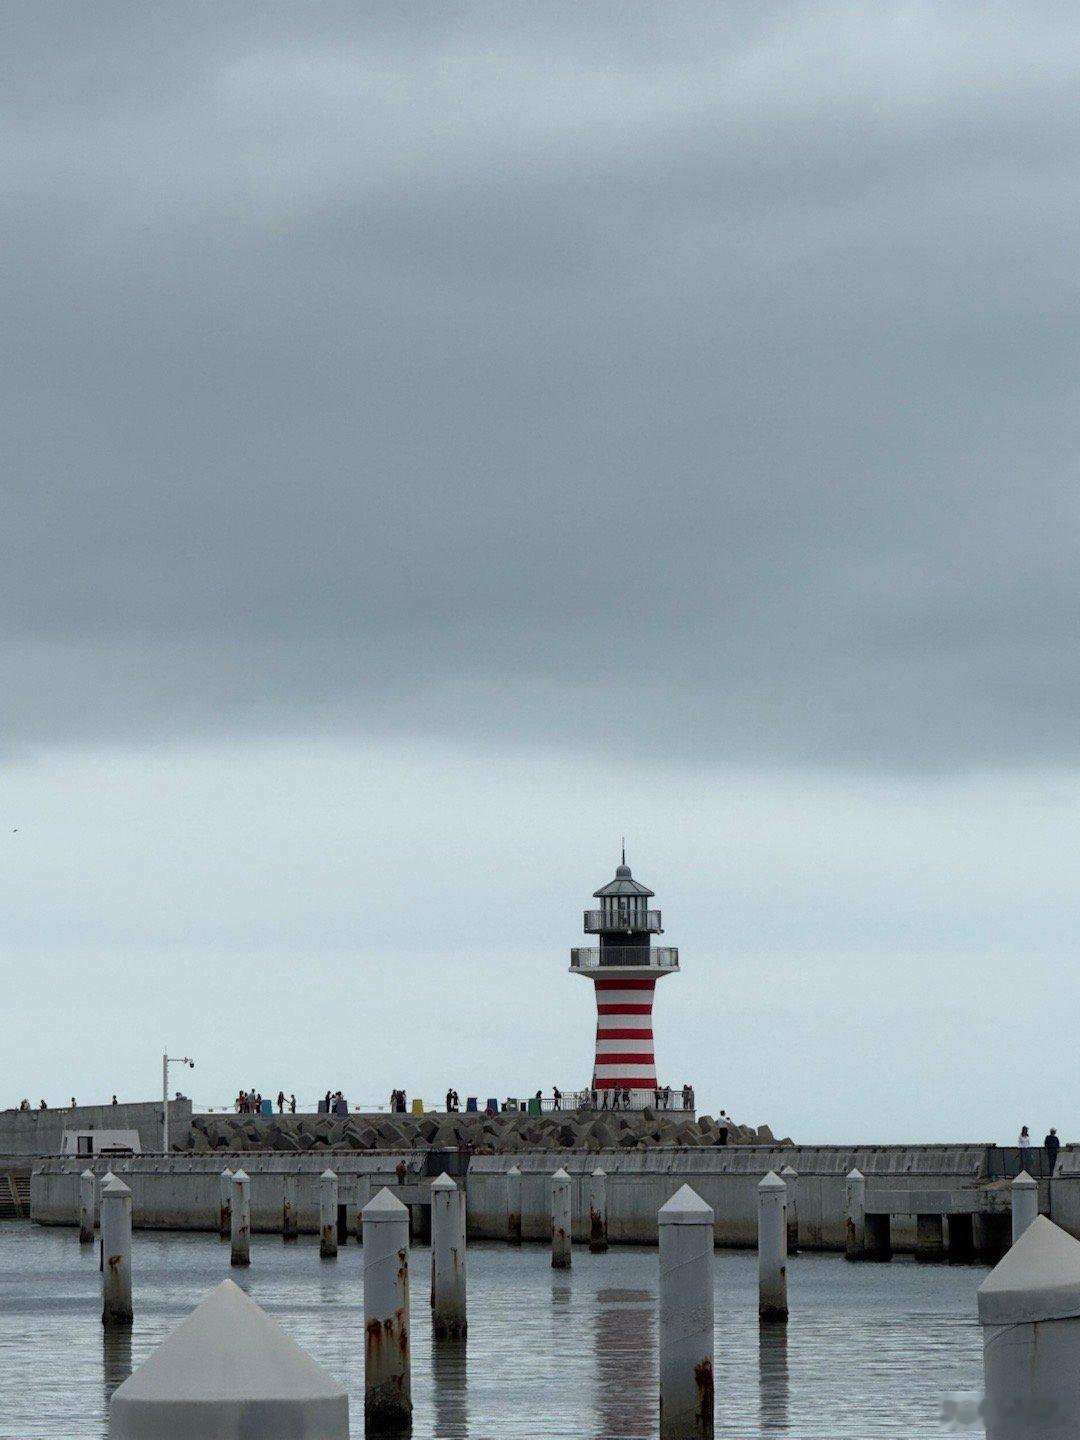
624,969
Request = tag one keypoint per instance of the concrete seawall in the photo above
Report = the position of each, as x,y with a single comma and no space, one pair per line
40,1132
182,1192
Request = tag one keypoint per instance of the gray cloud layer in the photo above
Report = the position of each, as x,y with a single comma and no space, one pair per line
695,379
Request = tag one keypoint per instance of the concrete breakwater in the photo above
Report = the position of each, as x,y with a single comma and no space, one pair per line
504,1133
952,1187
40,1133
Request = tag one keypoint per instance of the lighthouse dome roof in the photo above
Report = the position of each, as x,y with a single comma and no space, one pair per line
623,884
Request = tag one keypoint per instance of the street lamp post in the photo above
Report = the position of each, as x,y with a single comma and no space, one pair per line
166,1061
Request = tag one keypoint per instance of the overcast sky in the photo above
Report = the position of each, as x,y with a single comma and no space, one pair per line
439,439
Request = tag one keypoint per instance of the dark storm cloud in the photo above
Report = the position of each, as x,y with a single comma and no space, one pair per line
698,378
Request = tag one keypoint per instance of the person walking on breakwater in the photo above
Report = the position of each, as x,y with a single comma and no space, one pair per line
292,1104
1024,1143
723,1126
1051,1145
281,1102
556,1098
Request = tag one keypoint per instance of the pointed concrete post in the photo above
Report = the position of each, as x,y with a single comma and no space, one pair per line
387,1371
231,1372
448,1314
290,1206
855,1208
1025,1203
225,1204
99,1185
240,1218
772,1248
790,1178
513,1205
685,1226
1029,1308
598,1211
116,1254
328,1203
86,1207
560,1220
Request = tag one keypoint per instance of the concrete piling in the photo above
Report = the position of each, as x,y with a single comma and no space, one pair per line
240,1219
387,1369
225,1204
87,1198
685,1227
790,1178
1025,1203
855,1216
328,1207
290,1207
1029,1308
929,1238
513,1205
116,1254
229,1371
561,1219
448,1300
598,1211
772,1248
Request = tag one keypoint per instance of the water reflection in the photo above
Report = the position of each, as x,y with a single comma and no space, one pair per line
624,1343
115,1358
448,1388
773,1378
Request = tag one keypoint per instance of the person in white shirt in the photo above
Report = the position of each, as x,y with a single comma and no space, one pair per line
1025,1149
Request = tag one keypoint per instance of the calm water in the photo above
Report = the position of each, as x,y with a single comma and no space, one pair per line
870,1351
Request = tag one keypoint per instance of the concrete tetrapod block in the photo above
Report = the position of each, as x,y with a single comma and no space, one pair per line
1029,1308
229,1371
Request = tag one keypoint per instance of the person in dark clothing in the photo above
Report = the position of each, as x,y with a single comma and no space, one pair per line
1052,1145
281,1102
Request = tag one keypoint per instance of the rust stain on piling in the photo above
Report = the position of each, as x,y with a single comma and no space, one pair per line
114,1262
703,1379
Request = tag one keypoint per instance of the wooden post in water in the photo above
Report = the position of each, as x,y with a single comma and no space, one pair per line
513,1205
1025,1203
116,1254
790,1177
448,1301
87,1195
598,1211
855,1216
685,1227
328,1207
772,1248
240,1219
561,1219
290,1206
225,1203
387,1369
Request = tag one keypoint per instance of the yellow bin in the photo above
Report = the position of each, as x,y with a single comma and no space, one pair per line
418,1107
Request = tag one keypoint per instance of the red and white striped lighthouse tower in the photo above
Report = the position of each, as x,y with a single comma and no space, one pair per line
624,968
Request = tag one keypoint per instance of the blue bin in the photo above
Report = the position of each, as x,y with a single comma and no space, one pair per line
266,1108
470,1104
